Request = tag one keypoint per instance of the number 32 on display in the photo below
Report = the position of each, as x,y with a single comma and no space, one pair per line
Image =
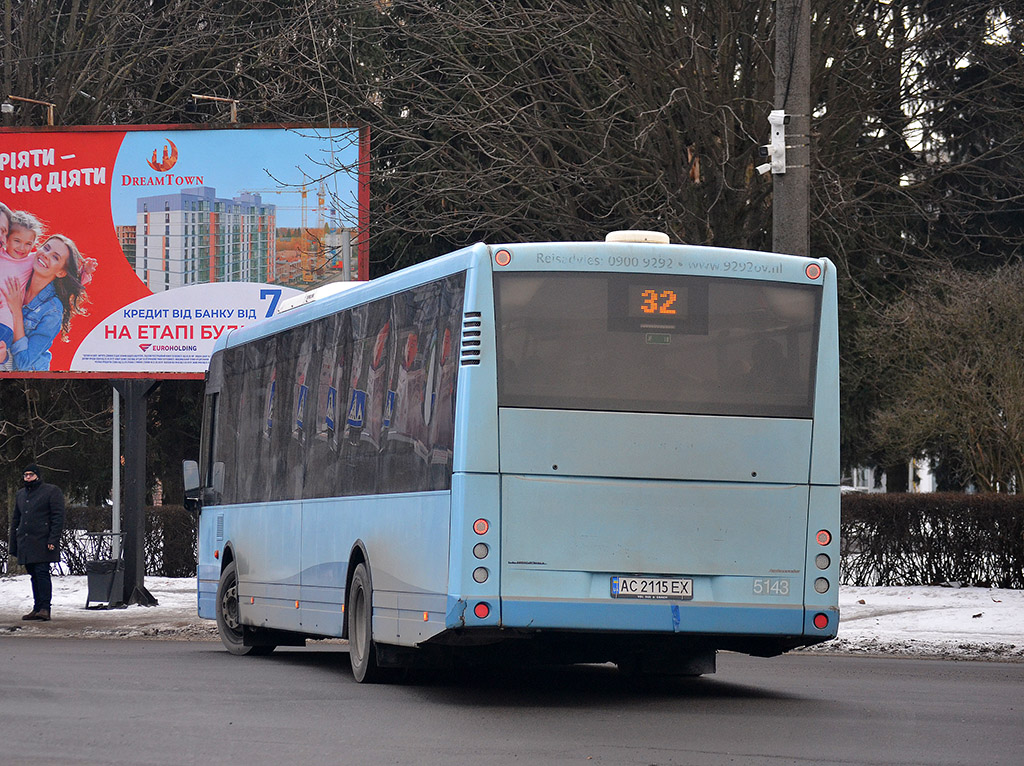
655,302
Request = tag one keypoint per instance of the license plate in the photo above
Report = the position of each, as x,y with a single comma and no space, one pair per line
652,587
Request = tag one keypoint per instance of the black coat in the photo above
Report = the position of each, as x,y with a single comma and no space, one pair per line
37,522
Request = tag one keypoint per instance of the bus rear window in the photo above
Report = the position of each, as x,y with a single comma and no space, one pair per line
656,343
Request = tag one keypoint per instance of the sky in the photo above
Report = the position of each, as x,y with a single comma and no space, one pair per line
231,161
958,623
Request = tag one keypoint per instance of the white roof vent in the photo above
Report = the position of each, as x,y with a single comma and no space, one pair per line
636,235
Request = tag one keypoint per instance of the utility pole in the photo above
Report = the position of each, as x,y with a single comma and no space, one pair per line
790,189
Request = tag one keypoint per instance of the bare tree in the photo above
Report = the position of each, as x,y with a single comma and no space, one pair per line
538,119
954,355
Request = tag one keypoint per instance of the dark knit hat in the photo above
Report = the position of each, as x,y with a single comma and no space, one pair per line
33,468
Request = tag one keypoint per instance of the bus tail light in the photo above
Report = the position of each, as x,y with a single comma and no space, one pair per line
813,271
503,257
480,526
821,621
481,610
824,537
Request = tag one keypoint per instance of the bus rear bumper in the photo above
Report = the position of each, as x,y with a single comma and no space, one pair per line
672,617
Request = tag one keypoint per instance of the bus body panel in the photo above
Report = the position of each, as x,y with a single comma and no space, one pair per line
405,537
208,566
475,496
655,617
292,560
602,527
825,446
654,446
265,541
476,405
823,514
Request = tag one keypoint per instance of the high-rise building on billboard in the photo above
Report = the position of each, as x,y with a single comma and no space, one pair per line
193,236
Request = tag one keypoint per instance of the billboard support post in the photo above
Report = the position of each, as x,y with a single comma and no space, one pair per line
135,392
115,489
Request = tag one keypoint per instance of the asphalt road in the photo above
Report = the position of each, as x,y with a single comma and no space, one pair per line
68,701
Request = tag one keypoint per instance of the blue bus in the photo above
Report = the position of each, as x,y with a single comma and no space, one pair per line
623,451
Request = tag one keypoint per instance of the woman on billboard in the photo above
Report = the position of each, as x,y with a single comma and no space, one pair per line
55,293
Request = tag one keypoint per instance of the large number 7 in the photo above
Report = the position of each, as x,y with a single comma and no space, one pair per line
274,295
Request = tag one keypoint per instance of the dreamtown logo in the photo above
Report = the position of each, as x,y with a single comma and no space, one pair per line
169,159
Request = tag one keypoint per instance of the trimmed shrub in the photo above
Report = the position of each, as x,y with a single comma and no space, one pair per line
933,538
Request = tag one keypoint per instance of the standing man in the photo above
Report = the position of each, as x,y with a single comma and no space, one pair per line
36,524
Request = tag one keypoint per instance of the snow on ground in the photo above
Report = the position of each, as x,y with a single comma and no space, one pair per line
174,616
964,623
970,623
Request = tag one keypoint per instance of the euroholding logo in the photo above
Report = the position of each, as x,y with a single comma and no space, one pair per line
169,159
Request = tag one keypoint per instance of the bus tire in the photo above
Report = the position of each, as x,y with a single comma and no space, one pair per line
232,632
362,653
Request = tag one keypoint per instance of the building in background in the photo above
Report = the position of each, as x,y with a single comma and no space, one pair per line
126,238
192,236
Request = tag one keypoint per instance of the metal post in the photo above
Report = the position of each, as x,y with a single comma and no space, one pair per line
135,393
115,491
790,195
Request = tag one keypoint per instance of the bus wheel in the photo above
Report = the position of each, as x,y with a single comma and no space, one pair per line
228,624
359,604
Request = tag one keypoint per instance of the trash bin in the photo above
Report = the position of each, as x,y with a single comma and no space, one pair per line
106,581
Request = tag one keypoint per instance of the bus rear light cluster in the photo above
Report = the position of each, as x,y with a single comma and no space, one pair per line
482,610
503,257
480,550
821,621
480,574
821,585
480,526
824,537
813,271
822,561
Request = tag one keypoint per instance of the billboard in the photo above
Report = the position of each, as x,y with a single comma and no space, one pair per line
130,250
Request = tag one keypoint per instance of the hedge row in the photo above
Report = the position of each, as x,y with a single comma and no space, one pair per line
887,539
933,538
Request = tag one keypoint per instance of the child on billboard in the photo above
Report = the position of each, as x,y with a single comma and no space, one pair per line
18,234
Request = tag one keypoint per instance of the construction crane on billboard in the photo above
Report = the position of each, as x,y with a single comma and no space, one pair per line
307,248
